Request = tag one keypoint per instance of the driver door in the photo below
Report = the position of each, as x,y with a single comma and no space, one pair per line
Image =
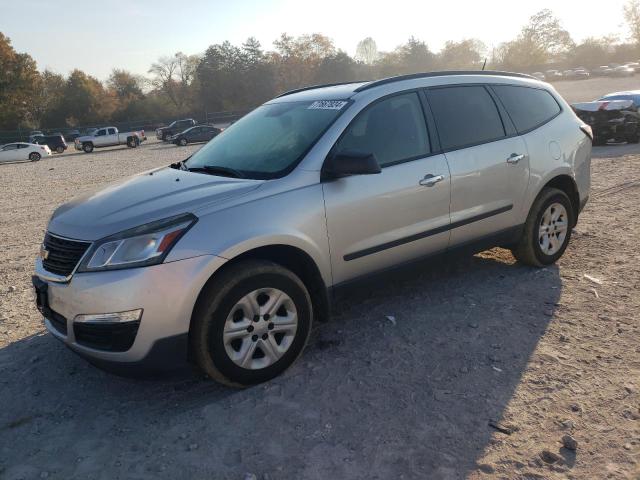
380,220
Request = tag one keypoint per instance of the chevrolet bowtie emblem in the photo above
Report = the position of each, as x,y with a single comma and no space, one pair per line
44,253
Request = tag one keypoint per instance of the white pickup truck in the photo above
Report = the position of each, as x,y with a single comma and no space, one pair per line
108,137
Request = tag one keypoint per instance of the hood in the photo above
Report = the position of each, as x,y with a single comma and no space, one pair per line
142,199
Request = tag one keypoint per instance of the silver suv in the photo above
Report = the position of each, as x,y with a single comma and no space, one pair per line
226,258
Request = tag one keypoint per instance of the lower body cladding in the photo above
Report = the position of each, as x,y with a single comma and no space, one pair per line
130,321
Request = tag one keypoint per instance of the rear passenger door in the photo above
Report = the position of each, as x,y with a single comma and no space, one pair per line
376,221
489,163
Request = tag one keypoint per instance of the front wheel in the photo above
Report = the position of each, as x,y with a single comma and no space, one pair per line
34,156
131,142
87,147
59,149
250,323
547,230
183,142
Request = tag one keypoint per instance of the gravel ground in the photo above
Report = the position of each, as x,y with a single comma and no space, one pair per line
539,354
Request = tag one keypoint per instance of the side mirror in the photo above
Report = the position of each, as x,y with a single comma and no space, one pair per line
350,162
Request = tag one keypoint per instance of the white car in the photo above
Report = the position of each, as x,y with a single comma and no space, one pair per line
14,152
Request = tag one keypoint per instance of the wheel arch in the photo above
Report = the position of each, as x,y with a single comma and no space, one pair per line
287,256
568,185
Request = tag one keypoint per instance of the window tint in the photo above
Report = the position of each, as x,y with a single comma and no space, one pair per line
465,116
527,107
112,131
100,133
13,146
392,129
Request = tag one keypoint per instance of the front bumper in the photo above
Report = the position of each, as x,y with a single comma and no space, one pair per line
166,293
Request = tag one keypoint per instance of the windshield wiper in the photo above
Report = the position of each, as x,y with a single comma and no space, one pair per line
215,170
181,165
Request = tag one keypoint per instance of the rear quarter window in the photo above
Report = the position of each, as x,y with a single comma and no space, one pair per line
528,107
465,116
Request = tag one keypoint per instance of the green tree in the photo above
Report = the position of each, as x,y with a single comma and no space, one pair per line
19,80
466,54
541,41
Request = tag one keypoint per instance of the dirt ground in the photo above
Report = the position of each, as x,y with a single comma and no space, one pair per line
539,354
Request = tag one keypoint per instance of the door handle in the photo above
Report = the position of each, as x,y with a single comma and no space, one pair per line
515,158
430,180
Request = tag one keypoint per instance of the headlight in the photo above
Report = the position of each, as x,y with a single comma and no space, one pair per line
137,247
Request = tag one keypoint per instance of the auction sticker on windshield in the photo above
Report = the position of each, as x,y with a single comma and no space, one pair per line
327,105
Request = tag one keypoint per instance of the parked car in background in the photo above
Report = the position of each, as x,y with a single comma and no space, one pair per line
72,135
581,73
227,258
633,95
553,75
55,142
539,75
15,152
623,71
611,119
174,128
199,133
33,137
109,137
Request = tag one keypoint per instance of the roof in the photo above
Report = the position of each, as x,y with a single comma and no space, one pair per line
343,91
628,92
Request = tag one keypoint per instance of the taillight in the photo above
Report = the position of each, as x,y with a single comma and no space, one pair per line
587,130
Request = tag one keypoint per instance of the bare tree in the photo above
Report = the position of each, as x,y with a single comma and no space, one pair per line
173,76
367,51
632,16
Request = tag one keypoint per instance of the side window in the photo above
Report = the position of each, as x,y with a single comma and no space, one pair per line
527,107
9,147
465,116
392,129
112,131
101,133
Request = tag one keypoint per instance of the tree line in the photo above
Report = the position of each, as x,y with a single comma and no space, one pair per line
230,77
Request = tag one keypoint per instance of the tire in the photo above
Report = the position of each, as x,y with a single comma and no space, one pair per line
59,149
633,137
165,137
87,147
599,141
223,304
34,156
530,250
183,142
131,142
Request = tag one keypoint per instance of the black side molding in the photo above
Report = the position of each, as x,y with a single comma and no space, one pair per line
418,236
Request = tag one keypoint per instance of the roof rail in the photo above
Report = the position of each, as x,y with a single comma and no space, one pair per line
313,87
412,76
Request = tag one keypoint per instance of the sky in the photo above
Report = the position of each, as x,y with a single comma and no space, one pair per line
131,34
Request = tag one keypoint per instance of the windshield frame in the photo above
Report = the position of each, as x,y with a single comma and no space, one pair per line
256,175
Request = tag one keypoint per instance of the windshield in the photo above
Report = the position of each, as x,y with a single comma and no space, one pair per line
271,140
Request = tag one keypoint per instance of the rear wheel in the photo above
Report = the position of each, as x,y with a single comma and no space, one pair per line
87,147
250,323
183,142
34,156
59,149
548,229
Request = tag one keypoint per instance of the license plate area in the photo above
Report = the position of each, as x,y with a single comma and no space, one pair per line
42,295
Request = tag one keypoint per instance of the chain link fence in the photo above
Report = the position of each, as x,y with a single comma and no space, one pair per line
148,125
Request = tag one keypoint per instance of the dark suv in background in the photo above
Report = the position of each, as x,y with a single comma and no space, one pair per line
163,133
55,142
